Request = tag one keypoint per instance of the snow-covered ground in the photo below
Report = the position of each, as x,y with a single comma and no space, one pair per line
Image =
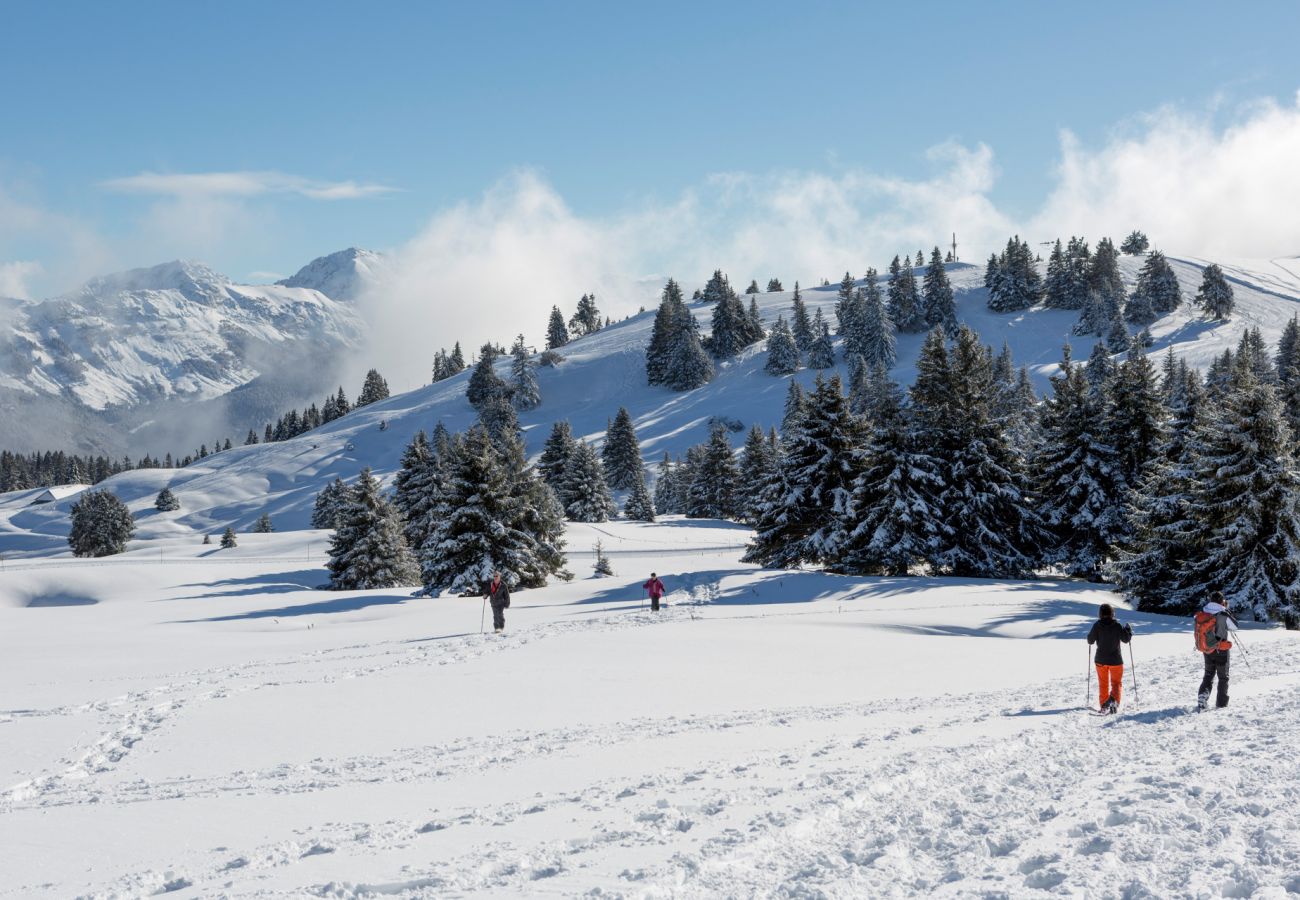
200,721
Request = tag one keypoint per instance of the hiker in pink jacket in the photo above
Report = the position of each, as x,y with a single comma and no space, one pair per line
656,589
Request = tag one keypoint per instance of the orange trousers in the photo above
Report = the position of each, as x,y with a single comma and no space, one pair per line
1110,683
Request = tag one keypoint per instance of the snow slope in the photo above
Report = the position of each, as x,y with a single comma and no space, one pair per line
606,370
188,720
343,275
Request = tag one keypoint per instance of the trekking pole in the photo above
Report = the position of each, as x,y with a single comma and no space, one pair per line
1134,667
1087,684
482,619
1236,642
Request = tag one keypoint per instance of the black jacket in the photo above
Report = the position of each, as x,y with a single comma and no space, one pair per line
1107,635
499,597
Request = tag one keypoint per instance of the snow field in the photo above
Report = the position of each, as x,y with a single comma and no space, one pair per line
210,727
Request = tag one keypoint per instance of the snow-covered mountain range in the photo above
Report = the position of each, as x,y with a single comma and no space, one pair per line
137,346
606,370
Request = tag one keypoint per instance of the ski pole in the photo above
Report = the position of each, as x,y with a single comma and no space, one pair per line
482,619
1087,676
1236,642
1133,665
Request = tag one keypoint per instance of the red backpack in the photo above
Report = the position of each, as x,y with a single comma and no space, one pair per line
1204,629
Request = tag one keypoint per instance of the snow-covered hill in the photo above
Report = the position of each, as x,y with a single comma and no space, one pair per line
87,370
200,721
342,276
604,371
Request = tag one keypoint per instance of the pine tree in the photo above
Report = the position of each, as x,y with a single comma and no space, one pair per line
556,334
714,482
1117,336
661,337
556,453
228,541
1013,283
263,525
329,502
816,473
368,550
801,323
484,383
729,328
753,287
621,454
876,343
666,492
757,461
1215,295
586,319
1135,244
754,330
602,567
940,310
1056,286
1079,478
341,403
687,364
717,289
905,308
887,524
1136,424
1156,292
101,524
844,299
455,362
774,286
166,501
639,507
1243,501
525,392
585,492
782,352
374,389
250,439
795,410
822,353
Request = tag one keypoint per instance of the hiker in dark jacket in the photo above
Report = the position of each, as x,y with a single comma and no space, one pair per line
1107,634
656,589
498,594
1216,650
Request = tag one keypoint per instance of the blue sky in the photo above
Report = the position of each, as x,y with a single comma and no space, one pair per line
361,125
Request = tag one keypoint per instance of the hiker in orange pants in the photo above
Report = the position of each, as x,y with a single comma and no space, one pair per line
1107,634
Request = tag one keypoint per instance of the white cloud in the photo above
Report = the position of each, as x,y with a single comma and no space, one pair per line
241,184
14,277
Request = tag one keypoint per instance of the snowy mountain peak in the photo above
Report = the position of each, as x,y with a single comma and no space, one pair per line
192,279
340,276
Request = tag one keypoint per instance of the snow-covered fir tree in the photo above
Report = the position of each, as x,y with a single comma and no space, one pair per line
1156,292
585,492
794,410
525,392
937,296
621,454
1215,294
822,353
484,382
1136,416
1013,279
586,319
368,549
1118,340
373,390
639,507
329,503
341,403
666,493
717,289
753,287
1135,244
801,322
1243,502
757,460
601,568
715,480
774,286
263,525
166,501
987,526
843,300
557,335
905,308
556,453
1079,479
675,357
818,465
228,540
101,524
755,331
887,525
782,351
731,328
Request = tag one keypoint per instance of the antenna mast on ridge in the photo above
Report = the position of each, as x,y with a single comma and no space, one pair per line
954,246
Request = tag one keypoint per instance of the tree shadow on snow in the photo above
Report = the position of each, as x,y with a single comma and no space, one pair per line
1078,616
270,583
322,607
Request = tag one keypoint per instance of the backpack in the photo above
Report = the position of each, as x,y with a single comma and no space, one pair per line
1204,628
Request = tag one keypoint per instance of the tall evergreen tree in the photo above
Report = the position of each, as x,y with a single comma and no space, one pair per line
585,491
263,525
774,286
621,454
757,461
905,307
556,334
940,310
666,492
1215,295
782,353
1135,244
374,389
801,323
329,503
166,501
1014,283
368,550
753,287
484,382
525,393
843,300
556,453
228,540
715,480
586,319
639,507
822,353
876,343
717,289
1156,292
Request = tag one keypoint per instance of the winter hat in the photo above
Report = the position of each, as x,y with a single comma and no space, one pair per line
1106,611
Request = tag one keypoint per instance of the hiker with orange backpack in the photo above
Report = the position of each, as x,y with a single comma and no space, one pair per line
1212,627
1107,634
